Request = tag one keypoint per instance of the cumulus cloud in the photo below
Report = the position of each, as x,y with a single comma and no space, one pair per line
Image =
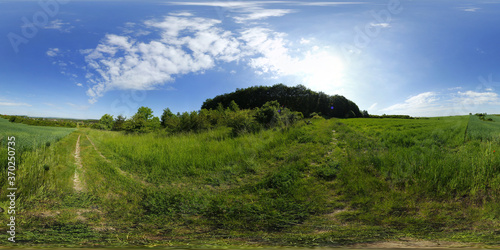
123,63
52,52
477,98
188,44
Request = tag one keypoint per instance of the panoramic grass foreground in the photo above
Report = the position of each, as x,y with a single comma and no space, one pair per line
245,124
317,182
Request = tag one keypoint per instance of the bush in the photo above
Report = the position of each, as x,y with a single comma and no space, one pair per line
243,122
268,114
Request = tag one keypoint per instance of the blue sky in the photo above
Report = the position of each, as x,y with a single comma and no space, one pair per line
83,59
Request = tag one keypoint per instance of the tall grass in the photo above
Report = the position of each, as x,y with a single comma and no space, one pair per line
484,130
208,174
34,154
395,177
160,159
393,165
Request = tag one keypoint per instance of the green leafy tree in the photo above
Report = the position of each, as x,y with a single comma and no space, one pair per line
106,122
143,121
154,124
233,106
203,121
145,113
119,122
169,120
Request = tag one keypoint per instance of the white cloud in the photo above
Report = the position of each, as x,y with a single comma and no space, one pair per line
372,107
253,10
79,85
382,25
452,103
246,10
59,25
188,44
259,14
14,104
319,68
477,98
184,13
327,3
415,104
227,4
52,52
470,9
246,4
123,63
304,41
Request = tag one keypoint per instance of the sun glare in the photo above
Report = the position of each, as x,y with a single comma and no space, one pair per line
323,71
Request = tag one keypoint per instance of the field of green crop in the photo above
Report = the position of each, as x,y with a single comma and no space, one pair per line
328,183
484,130
30,142
30,137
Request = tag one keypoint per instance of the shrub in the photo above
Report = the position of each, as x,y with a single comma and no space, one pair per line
242,122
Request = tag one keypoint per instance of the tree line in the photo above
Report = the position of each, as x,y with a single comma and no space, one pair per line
298,98
245,110
51,122
269,115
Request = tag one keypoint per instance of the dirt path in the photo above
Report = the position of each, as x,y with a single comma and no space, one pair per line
77,184
117,168
95,148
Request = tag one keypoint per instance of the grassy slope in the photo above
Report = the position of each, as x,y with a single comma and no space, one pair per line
333,182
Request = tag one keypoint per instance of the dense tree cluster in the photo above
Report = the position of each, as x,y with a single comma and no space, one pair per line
270,115
298,98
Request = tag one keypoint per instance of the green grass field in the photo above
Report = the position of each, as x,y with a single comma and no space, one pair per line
30,137
484,130
32,149
333,182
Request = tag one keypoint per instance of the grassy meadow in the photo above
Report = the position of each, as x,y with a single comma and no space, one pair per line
319,183
33,149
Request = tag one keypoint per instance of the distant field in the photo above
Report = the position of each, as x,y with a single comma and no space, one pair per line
29,141
30,137
484,130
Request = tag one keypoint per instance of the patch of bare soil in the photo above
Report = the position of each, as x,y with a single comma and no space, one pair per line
77,183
